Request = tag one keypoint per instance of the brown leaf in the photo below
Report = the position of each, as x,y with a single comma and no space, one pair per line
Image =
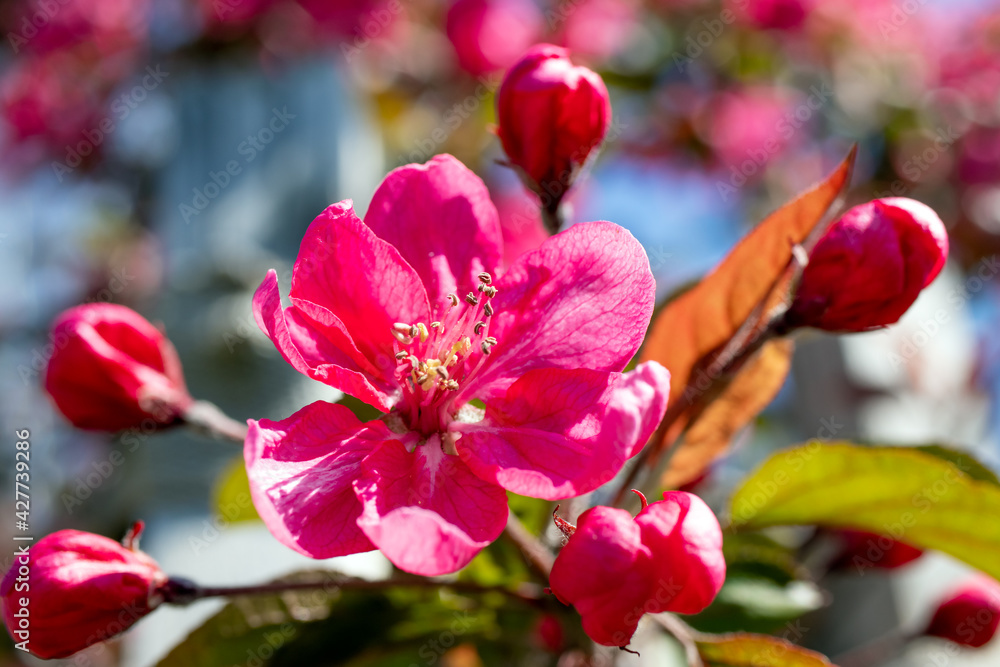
710,433
749,650
706,317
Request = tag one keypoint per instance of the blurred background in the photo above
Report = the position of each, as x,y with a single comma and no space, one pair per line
163,154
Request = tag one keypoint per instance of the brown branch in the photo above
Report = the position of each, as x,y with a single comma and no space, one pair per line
181,591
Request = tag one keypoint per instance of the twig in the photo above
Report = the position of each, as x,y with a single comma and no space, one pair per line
181,591
538,556
207,418
684,634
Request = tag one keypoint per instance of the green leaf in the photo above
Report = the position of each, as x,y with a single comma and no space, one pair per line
255,627
361,410
746,650
903,492
756,553
232,494
763,590
757,604
964,461
357,628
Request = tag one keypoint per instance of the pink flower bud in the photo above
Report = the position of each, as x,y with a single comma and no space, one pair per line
549,633
111,369
74,589
552,114
615,568
969,615
772,14
870,266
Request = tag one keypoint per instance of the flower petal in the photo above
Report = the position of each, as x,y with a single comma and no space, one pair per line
582,300
560,433
360,279
642,398
301,471
425,510
686,541
603,571
301,343
440,217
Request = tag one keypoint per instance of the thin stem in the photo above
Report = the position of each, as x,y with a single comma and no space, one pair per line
180,591
540,558
683,633
207,418
553,218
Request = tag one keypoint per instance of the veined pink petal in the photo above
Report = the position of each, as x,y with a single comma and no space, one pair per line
684,529
301,471
558,433
602,571
425,510
360,279
300,342
582,300
440,217
641,401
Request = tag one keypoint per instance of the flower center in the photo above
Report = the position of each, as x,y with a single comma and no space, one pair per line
434,361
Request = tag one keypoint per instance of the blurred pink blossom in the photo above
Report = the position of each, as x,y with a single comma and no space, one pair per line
489,35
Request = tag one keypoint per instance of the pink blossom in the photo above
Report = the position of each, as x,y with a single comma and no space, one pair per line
772,14
599,28
403,312
747,127
615,568
489,35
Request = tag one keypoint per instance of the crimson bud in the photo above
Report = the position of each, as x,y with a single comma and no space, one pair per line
111,369
552,114
614,568
79,589
870,266
969,615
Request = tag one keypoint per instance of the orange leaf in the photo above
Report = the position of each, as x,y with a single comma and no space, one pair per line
747,650
707,316
709,434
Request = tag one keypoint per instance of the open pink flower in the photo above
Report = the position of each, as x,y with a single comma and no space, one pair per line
402,311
